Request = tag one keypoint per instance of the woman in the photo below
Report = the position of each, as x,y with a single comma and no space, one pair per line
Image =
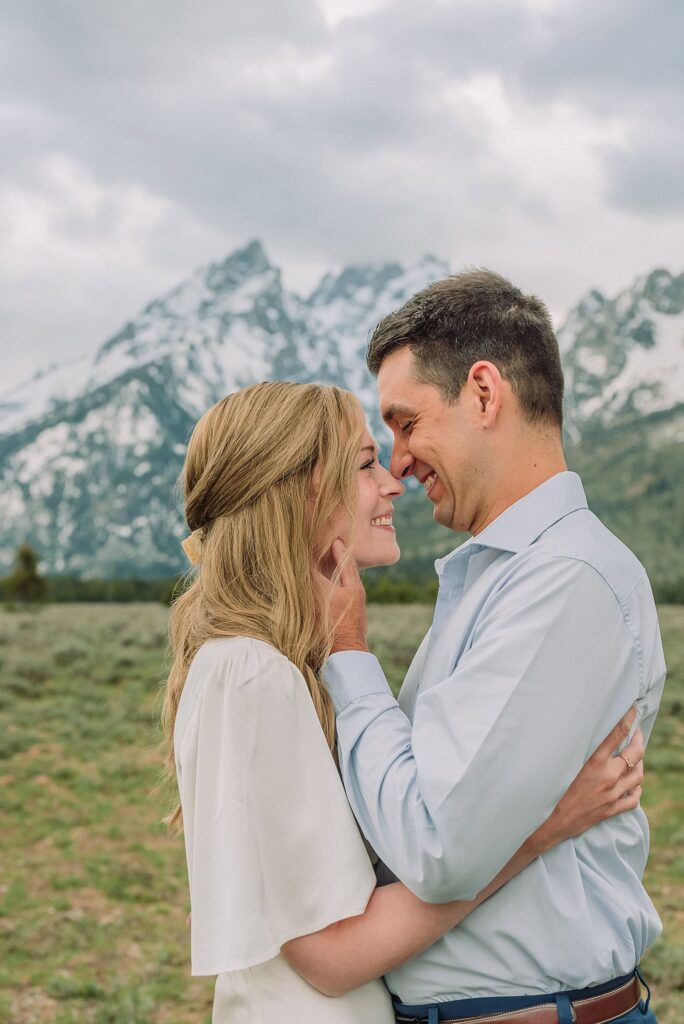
284,905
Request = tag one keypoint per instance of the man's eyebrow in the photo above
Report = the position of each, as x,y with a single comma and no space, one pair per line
396,412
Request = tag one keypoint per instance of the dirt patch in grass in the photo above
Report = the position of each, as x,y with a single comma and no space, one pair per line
32,1006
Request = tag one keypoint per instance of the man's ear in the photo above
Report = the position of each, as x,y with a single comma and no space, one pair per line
485,384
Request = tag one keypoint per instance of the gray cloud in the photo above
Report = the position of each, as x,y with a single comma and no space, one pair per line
645,173
622,59
183,102
608,53
384,136
294,153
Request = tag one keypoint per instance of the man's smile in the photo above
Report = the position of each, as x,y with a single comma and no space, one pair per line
429,481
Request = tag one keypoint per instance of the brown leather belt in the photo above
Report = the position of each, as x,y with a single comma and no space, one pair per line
593,1010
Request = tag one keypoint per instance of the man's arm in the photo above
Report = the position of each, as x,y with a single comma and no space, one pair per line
494,746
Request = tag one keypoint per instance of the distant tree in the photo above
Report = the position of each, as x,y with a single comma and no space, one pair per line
24,584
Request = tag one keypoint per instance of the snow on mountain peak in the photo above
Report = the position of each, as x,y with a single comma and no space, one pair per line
109,431
91,449
625,356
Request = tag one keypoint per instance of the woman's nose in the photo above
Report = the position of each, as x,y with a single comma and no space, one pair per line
390,486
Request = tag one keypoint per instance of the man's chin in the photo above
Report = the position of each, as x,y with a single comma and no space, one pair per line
442,515
436,514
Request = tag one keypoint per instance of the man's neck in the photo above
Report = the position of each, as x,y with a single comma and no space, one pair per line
531,471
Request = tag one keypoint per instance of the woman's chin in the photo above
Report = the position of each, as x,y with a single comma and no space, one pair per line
377,559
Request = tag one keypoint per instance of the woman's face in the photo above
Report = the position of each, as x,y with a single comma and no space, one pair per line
374,540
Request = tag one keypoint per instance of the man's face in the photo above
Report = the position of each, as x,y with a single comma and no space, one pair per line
434,441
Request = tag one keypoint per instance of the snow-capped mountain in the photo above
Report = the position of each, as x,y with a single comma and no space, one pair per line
90,449
624,357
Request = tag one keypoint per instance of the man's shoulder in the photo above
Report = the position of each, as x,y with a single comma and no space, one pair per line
581,536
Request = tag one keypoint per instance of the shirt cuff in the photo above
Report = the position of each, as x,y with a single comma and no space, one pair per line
351,675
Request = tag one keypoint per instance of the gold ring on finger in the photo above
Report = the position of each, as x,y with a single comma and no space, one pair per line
628,761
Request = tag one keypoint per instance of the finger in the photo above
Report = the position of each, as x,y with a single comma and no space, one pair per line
627,782
621,765
635,749
349,573
339,553
616,736
630,800
322,579
627,801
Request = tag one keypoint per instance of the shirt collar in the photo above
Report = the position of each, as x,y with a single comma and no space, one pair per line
522,523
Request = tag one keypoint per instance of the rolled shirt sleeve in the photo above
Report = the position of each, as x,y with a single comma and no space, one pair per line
447,799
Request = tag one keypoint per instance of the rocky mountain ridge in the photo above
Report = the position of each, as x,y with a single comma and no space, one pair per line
90,449
623,358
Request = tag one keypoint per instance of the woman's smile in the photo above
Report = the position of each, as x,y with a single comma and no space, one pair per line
384,522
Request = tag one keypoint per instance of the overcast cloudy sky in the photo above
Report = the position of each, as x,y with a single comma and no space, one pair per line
538,137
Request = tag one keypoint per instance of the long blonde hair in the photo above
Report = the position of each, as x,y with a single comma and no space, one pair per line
248,484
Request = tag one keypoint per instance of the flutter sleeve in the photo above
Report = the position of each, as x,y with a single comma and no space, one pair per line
273,848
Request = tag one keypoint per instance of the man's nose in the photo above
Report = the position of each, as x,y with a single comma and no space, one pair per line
402,462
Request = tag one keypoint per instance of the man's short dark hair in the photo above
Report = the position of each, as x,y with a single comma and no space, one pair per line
471,316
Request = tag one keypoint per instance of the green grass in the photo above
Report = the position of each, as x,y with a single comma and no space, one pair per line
93,889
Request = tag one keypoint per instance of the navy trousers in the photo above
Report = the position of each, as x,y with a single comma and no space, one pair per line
639,1015
433,1013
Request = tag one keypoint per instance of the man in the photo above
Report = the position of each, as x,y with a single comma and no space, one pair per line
545,631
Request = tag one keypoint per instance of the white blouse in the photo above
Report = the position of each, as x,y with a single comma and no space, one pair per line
273,849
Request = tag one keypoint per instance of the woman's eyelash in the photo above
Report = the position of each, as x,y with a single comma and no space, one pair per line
369,464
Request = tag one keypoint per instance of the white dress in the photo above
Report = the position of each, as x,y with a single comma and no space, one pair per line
272,847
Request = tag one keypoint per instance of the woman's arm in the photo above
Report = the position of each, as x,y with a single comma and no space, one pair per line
396,926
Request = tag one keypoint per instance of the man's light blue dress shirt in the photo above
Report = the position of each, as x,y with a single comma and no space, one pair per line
545,632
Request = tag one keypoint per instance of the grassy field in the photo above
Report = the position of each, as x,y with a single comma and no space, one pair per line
93,890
